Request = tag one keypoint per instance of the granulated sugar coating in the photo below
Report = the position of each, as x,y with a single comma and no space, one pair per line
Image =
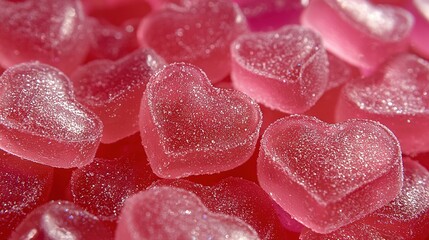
188,127
172,213
102,186
365,34
41,121
113,90
50,31
23,186
406,217
337,173
397,95
61,220
286,70
171,31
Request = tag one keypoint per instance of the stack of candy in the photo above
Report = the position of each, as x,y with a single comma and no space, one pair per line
214,119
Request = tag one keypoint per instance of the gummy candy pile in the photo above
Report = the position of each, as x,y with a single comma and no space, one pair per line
214,119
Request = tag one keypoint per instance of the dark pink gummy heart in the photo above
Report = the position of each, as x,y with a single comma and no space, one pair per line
358,31
24,185
61,220
397,95
172,213
188,127
327,176
50,31
196,31
41,121
245,200
113,90
286,70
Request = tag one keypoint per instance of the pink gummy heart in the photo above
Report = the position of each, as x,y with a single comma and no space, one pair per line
172,213
327,176
397,95
196,31
113,90
286,70
188,127
243,199
50,31
24,185
41,121
358,31
61,220
420,33
406,217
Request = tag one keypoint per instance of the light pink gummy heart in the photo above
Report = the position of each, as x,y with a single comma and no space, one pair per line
327,176
41,121
358,31
196,31
49,31
397,95
172,213
188,127
286,69
113,90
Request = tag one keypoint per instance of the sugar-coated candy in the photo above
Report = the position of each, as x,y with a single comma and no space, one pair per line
113,90
50,31
112,42
286,70
173,213
340,73
24,185
242,199
194,31
270,14
364,34
41,121
102,186
327,176
406,217
188,127
420,33
397,95
61,220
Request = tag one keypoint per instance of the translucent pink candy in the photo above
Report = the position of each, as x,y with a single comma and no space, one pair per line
61,220
406,217
358,31
172,213
113,90
50,31
270,14
102,186
245,200
41,121
24,185
327,176
189,127
397,95
197,31
420,33
286,70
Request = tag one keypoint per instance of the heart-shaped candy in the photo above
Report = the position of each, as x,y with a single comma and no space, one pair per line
358,31
173,213
41,121
61,220
397,95
49,31
188,127
286,70
113,90
197,31
327,176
